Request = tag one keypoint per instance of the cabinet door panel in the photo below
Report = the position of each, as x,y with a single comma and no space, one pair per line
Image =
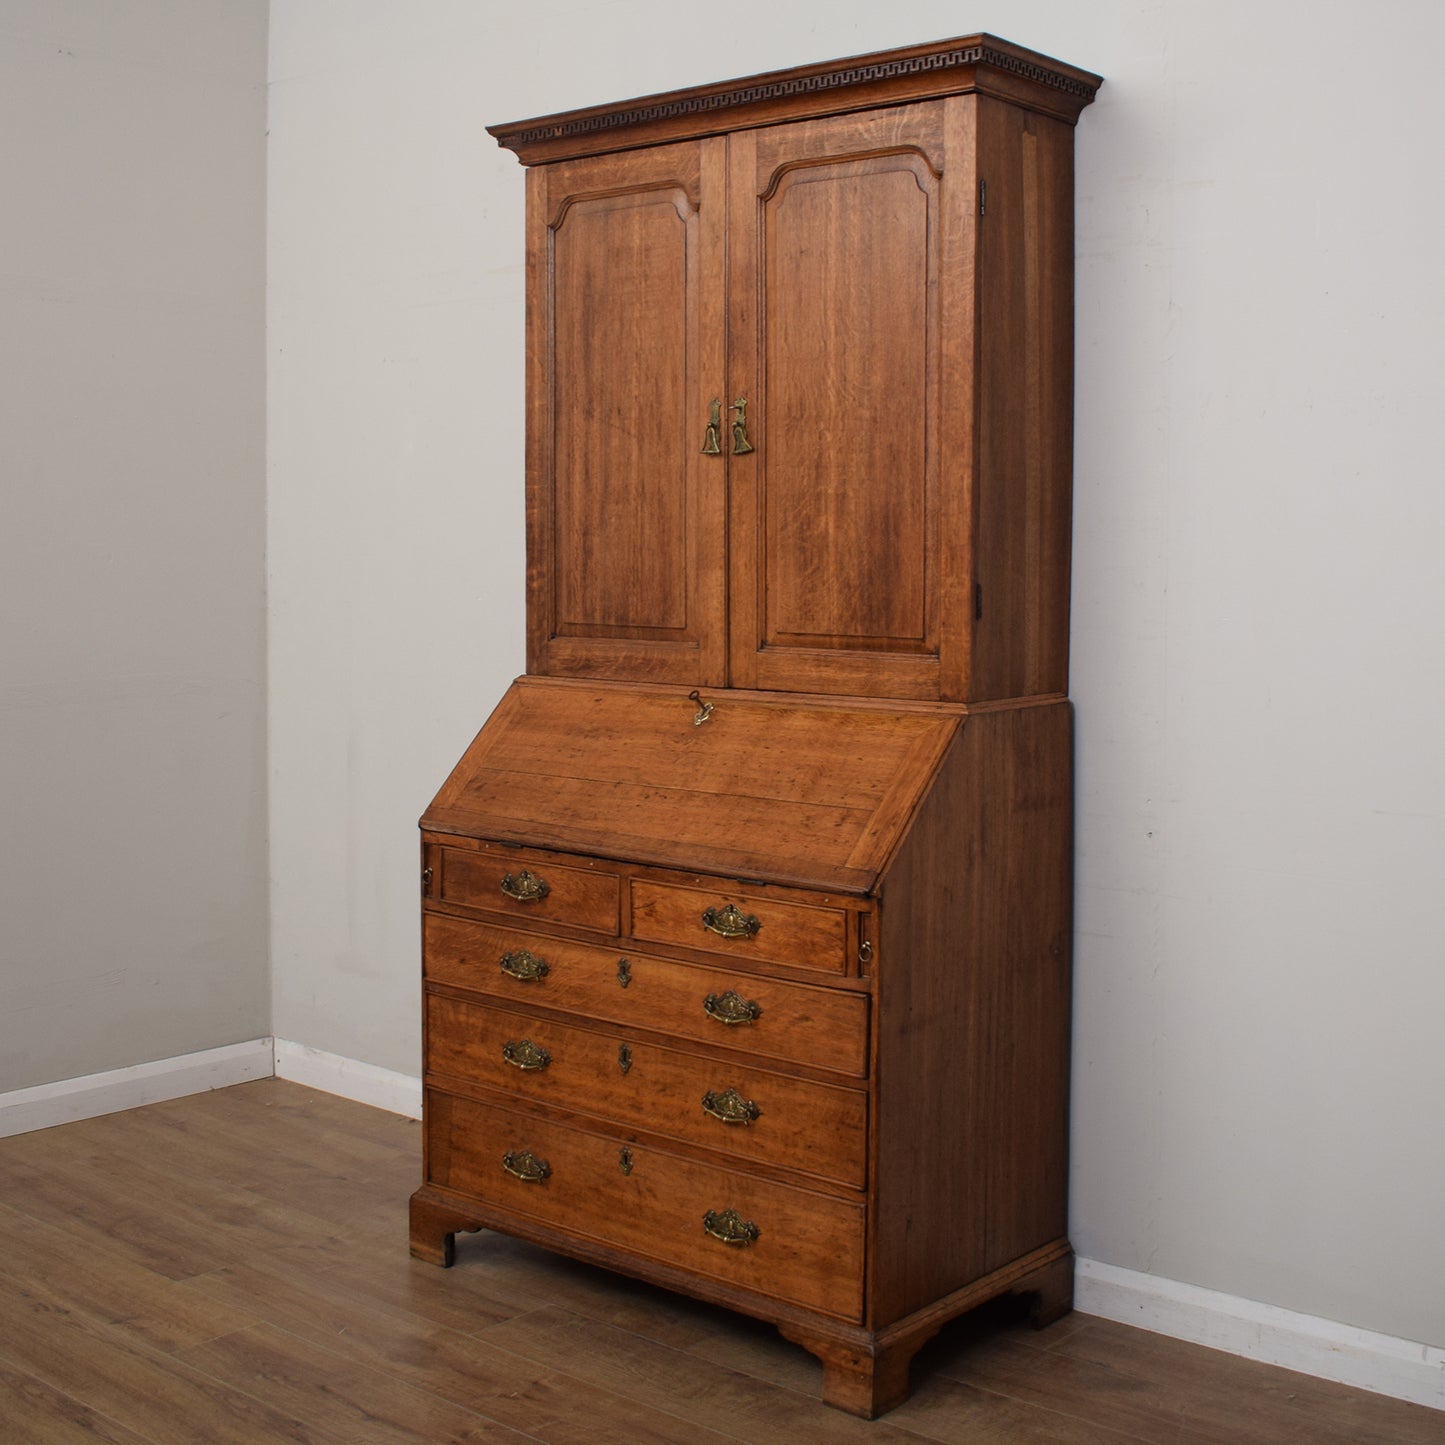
837,236
626,515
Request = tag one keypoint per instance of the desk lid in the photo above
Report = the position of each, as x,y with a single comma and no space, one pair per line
811,792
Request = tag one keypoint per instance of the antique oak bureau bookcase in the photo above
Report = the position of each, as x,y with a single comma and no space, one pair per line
746,915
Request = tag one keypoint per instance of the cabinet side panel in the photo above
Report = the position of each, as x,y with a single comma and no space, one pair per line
1023,499
972,1047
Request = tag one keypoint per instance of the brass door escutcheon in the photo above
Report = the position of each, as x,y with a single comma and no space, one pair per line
526,1166
524,1054
704,709
730,922
730,1227
624,972
525,887
624,1160
730,1107
712,437
741,445
731,1008
524,966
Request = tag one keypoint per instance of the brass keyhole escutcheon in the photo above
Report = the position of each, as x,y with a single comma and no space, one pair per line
624,1160
624,972
624,1058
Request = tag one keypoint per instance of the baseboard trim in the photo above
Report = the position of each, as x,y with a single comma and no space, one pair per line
63,1102
1382,1364
351,1079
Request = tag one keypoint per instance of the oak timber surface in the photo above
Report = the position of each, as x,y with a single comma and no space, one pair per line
141,1302
806,792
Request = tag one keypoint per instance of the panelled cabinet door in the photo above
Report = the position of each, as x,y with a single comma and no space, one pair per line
851,329
626,514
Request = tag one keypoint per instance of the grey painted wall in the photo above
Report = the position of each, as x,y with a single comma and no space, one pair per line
132,587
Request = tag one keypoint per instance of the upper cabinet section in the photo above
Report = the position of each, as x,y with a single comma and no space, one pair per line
800,379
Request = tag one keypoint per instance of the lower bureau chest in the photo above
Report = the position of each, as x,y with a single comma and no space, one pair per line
614,1056
813,1069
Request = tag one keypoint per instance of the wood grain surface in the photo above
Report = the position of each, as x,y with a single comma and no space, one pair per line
824,1027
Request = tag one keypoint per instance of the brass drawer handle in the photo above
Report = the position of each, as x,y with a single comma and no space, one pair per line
730,922
730,1227
741,445
712,437
730,1107
524,1054
731,1008
526,1166
525,966
525,887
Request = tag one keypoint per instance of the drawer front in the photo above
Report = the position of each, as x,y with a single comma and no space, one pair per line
529,889
807,1249
725,921
789,1022
746,1112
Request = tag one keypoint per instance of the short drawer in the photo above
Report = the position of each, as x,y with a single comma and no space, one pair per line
529,888
723,920
745,1231
789,1022
745,1112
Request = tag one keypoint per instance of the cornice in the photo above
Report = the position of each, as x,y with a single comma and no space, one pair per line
979,62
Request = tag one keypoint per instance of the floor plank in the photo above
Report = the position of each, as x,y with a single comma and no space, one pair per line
233,1266
354,1401
108,1286
39,1414
153,1394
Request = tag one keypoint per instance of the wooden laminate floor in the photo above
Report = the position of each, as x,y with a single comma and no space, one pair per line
233,1267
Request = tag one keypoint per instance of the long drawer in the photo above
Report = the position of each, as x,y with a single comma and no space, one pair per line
743,1111
746,1231
824,1027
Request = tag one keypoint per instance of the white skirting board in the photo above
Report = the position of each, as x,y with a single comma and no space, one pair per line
1381,1364
1361,1358
67,1100
334,1074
